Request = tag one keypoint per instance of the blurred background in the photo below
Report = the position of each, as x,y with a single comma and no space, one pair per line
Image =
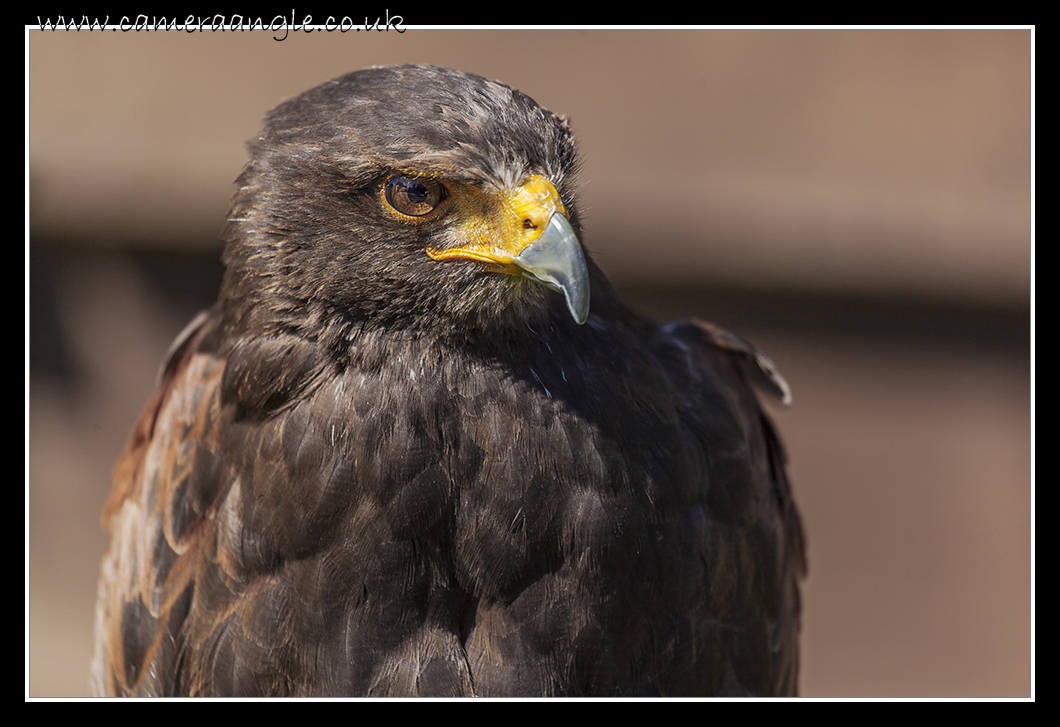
855,202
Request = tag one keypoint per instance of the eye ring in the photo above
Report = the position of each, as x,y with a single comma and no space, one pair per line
414,196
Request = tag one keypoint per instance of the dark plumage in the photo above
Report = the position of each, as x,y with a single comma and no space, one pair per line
390,461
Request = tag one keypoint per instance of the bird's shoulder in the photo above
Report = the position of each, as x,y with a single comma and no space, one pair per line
755,542
720,376
703,341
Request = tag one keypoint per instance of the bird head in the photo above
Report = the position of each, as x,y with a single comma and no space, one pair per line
407,196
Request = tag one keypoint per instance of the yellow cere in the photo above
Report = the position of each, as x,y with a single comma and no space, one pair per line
497,229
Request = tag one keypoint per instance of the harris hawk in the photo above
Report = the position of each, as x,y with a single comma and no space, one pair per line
407,454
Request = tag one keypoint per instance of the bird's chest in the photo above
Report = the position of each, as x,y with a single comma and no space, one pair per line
491,482
410,507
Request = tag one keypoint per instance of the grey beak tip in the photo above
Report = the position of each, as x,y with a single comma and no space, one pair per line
579,311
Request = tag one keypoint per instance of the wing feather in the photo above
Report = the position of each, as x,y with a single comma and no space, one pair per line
166,485
705,362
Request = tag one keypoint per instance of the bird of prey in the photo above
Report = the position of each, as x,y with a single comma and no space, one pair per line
420,446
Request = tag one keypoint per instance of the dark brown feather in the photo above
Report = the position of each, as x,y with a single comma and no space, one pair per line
369,473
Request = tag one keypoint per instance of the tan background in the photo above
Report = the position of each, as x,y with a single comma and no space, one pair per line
860,198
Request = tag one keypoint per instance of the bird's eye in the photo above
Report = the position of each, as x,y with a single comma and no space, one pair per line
415,197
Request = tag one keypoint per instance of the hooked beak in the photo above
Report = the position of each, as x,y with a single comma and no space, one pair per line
526,232
555,260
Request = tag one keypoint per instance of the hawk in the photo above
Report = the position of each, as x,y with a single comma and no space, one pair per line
421,447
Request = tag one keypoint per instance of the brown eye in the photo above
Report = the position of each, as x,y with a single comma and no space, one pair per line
415,197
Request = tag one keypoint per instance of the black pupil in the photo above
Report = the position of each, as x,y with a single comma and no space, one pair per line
417,193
